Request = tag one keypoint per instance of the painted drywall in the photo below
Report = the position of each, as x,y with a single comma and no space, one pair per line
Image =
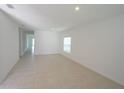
1,59
46,42
9,45
99,46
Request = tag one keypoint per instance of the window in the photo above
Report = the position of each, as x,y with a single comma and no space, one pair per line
67,44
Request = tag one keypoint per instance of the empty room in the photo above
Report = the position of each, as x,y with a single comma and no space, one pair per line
61,46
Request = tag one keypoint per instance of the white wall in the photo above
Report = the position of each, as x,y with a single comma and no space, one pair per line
100,47
46,42
9,45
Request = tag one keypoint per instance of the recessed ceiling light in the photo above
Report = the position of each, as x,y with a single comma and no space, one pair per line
77,8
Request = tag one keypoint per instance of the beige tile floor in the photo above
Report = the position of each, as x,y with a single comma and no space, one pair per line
53,72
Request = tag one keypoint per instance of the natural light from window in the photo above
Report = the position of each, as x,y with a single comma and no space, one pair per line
67,44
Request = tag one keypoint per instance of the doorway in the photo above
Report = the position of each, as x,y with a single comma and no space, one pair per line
26,42
30,42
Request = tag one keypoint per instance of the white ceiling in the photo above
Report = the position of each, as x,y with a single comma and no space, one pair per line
52,17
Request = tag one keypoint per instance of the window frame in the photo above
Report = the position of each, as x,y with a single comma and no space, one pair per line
65,48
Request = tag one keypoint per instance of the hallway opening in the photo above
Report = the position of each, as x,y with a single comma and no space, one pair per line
30,43
26,42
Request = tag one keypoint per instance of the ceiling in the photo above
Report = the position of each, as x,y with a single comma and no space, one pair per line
60,17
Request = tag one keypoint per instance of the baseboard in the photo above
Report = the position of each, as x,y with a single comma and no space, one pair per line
68,57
